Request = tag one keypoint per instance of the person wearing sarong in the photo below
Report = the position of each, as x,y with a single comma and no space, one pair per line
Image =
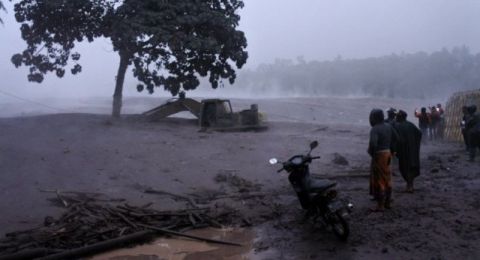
380,148
408,149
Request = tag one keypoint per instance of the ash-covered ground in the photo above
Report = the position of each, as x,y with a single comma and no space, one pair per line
90,152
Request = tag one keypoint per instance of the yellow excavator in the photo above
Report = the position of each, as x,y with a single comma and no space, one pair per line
212,114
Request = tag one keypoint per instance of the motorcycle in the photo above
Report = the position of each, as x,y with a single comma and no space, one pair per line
317,197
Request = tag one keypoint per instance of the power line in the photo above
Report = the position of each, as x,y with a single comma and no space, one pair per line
32,102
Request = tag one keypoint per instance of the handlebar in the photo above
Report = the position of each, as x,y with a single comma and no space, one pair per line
308,159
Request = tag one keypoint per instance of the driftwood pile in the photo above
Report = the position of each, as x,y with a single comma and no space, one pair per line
92,224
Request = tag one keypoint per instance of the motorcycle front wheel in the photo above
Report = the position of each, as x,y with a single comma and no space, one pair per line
340,226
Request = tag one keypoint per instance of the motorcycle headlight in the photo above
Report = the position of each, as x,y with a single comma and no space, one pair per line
350,206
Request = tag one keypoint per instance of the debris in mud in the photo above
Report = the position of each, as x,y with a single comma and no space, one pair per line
93,222
453,158
239,183
339,159
173,195
434,158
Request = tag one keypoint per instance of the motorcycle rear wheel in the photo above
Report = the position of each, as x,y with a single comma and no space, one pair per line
340,227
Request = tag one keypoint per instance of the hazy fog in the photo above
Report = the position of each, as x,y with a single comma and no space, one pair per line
313,29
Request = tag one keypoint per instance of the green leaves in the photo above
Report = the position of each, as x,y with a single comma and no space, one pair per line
186,39
169,43
17,60
51,29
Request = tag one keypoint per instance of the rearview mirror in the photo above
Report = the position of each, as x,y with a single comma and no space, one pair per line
313,145
273,161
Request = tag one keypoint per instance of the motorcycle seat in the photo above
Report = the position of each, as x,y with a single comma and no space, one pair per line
317,186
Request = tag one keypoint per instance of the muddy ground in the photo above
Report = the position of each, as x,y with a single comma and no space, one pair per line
92,153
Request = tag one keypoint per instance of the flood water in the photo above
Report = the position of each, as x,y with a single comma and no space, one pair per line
187,249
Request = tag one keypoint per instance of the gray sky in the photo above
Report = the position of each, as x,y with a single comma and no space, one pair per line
314,29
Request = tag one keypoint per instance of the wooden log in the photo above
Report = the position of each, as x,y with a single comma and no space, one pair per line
120,215
188,199
101,246
171,232
28,254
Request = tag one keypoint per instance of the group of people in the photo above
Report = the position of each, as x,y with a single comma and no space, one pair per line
393,136
471,130
432,122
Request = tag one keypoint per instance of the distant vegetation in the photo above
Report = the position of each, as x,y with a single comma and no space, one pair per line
418,75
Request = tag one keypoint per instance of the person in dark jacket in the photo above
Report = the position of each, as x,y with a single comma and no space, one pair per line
380,148
472,129
408,149
391,113
423,121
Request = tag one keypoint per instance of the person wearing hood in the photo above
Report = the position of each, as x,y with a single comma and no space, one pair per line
408,149
381,146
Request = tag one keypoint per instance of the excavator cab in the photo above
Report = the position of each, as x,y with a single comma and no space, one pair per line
216,113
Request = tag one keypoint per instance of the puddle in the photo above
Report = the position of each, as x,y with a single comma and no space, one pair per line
186,249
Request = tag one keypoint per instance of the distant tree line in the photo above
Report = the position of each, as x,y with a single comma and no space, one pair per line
418,75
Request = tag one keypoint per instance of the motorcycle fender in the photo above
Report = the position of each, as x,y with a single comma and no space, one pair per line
338,207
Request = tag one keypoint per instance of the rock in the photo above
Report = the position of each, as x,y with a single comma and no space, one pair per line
339,159
434,170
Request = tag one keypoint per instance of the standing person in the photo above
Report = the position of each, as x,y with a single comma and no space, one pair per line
434,123
423,121
408,149
473,131
391,113
441,125
463,125
380,149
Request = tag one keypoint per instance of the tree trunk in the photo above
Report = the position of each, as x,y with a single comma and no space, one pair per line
117,95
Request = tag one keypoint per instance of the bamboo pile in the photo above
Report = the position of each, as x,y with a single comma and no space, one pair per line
453,113
91,224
